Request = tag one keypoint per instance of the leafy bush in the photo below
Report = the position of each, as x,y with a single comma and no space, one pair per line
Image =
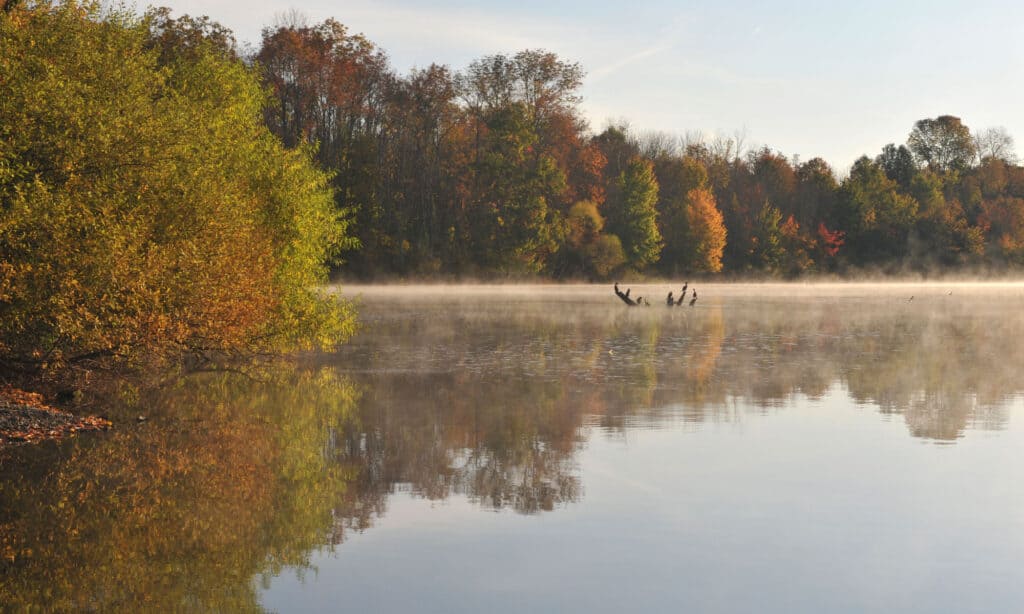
146,213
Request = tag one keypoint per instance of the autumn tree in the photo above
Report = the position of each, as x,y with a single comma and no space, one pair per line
798,248
618,149
187,35
545,85
688,219
775,178
1004,217
942,233
329,90
706,233
146,214
829,243
677,178
588,250
422,174
530,162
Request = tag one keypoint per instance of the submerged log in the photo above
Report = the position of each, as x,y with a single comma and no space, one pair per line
624,296
682,294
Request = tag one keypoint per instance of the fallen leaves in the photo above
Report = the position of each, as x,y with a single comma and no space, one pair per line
25,418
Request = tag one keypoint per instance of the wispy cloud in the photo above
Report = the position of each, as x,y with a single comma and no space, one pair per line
611,68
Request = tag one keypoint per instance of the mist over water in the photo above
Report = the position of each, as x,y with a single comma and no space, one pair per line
775,447
907,349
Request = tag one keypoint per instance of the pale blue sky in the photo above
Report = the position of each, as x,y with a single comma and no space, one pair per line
835,80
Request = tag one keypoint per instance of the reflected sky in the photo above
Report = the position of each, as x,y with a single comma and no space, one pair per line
775,448
818,508
546,448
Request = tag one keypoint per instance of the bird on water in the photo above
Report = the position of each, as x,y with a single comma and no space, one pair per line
694,299
682,294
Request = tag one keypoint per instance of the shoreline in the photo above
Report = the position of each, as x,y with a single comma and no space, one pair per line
25,418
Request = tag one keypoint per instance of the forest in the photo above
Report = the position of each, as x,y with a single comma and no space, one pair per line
491,171
165,194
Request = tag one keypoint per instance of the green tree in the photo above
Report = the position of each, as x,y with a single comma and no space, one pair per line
677,179
898,164
513,229
876,217
943,144
632,215
768,251
145,212
815,193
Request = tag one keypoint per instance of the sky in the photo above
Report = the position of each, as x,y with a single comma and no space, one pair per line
810,78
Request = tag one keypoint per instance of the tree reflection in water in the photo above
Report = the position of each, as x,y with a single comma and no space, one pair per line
490,398
225,482
944,364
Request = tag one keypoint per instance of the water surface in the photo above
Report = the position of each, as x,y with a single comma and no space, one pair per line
545,448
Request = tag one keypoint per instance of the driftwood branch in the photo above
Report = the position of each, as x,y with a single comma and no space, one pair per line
624,296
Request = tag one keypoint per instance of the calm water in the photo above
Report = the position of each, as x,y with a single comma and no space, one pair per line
772,449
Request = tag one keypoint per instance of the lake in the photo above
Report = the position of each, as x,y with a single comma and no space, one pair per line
774,448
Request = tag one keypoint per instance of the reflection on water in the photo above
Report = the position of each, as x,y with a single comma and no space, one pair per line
227,480
944,362
515,400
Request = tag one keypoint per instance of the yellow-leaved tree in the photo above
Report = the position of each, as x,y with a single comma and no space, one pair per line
146,213
706,237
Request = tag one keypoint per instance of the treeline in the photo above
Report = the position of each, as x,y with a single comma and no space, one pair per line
491,170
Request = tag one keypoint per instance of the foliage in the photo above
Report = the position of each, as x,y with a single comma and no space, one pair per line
831,241
768,250
898,164
588,251
511,219
875,216
943,144
706,232
477,171
329,89
136,191
226,484
677,180
631,213
146,212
